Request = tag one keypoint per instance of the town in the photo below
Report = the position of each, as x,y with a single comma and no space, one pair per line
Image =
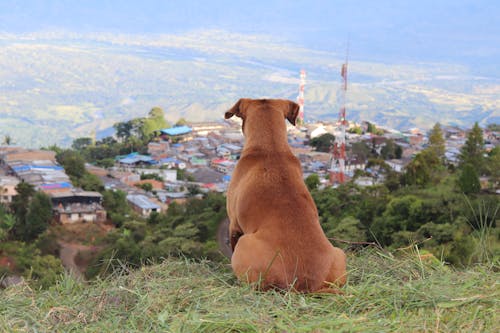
205,154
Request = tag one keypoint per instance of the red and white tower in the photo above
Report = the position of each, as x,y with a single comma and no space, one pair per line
337,169
300,98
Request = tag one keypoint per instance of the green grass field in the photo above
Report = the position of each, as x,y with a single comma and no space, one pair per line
385,293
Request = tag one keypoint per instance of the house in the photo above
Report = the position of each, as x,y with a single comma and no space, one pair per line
223,165
142,204
135,159
7,188
158,149
177,133
365,181
77,206
398,165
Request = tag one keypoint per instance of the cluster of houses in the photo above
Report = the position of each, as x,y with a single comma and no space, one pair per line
40,169
188,160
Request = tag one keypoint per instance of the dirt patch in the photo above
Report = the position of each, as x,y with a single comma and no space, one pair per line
79,243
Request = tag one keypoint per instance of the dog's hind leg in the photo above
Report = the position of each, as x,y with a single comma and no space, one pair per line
337,276
255,263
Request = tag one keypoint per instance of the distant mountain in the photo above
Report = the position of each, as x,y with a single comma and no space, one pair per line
464,32
56,86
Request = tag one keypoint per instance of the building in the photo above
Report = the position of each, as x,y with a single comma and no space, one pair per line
7,189
142,204
78,206
177,133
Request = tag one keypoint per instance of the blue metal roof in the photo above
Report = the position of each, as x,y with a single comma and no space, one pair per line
142,201
56,185
178,130
28,167
135,158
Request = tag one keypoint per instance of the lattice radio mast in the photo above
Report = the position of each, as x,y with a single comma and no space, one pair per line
337,169
300,98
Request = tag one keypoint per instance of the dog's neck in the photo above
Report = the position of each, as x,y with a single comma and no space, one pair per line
266,133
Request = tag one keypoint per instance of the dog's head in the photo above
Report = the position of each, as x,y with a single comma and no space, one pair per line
290,109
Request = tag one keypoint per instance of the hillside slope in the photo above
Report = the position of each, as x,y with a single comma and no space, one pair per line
384,294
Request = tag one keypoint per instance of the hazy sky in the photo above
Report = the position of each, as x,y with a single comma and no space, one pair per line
463,31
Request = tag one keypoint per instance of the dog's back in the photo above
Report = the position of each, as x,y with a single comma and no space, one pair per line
275,232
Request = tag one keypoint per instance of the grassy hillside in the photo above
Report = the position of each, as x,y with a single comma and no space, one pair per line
385,293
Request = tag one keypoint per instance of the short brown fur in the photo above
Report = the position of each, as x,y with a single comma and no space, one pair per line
274,226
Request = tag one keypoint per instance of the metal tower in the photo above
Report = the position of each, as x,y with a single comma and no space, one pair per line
300,98
337,169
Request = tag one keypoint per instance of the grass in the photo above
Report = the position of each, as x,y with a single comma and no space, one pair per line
384,294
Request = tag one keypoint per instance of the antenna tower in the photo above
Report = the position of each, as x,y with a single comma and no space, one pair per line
337,170
300,98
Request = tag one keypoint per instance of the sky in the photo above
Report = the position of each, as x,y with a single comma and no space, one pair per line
460,31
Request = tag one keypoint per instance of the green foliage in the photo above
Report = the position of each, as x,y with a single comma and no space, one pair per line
7,223
81,143
348,229
146,187
355,130
43,270
90,182
181,122
323,142
391,150
115,203
185,230
312,182
38,217
73,163
436,141
472,152
421,169
154,176
492,163
32,211
361,150
468,181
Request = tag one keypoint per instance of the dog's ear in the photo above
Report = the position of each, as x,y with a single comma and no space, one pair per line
237,109
293,112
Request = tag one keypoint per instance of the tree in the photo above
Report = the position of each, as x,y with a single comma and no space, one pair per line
312,181
181,122
323,142
38,217
371,128
472,151
90,182
468,181
33,212
73,163
7,222
388,151
420,170
492,163
20,204
417,172
436,141
81,143
154,122
361,150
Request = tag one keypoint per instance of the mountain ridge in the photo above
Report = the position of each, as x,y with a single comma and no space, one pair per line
63,85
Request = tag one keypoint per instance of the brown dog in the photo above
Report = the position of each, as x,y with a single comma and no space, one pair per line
274,228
